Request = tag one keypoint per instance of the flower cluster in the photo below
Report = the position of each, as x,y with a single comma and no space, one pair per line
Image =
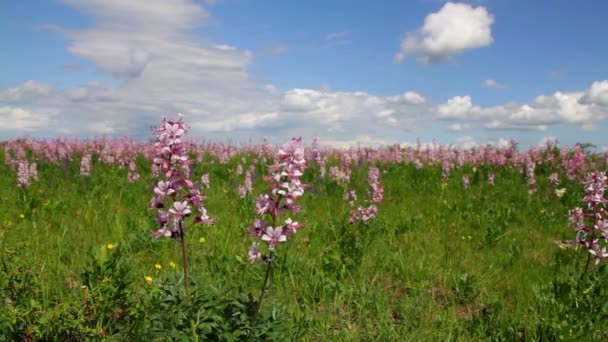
176,196
285,188
591,223
575,164
530,177
465,181
85,165
554,179
247,187
491,177
376,195
26,173
342,174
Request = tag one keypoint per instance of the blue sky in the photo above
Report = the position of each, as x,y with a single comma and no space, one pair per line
350,72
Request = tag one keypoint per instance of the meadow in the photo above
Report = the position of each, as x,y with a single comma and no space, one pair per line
437,243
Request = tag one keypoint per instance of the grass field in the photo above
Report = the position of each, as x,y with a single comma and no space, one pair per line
441,261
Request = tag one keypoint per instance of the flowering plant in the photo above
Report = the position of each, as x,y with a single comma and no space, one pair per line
591,223
176,197
284,188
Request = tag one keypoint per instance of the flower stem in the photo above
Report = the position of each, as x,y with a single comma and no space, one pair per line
268,269
185,260
587,263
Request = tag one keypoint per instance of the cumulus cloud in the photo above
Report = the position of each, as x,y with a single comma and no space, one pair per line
356,110
458,107
455,28
597,94
582,108
15,118
492,84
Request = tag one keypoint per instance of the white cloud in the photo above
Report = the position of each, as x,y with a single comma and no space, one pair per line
455,28
361,140
492,84
458,107
357,110
29,91
465,143
583,109
459,127
413,98
597,94
15,118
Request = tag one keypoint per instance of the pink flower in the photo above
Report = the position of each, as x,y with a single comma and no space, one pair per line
180,209
599,254
264,204
554,179
273,236
254,252
205,180
162,232
292,226
258,228
491,178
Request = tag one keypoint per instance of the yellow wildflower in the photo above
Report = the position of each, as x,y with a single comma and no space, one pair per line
148,279
172,264
158,266
109,246
202,239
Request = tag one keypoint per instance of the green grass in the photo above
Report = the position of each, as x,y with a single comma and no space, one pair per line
439,263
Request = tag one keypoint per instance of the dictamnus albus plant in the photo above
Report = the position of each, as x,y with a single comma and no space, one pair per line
284,188
177,199
591,221
366,213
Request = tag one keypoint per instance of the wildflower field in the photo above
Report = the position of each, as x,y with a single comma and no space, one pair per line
181,239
